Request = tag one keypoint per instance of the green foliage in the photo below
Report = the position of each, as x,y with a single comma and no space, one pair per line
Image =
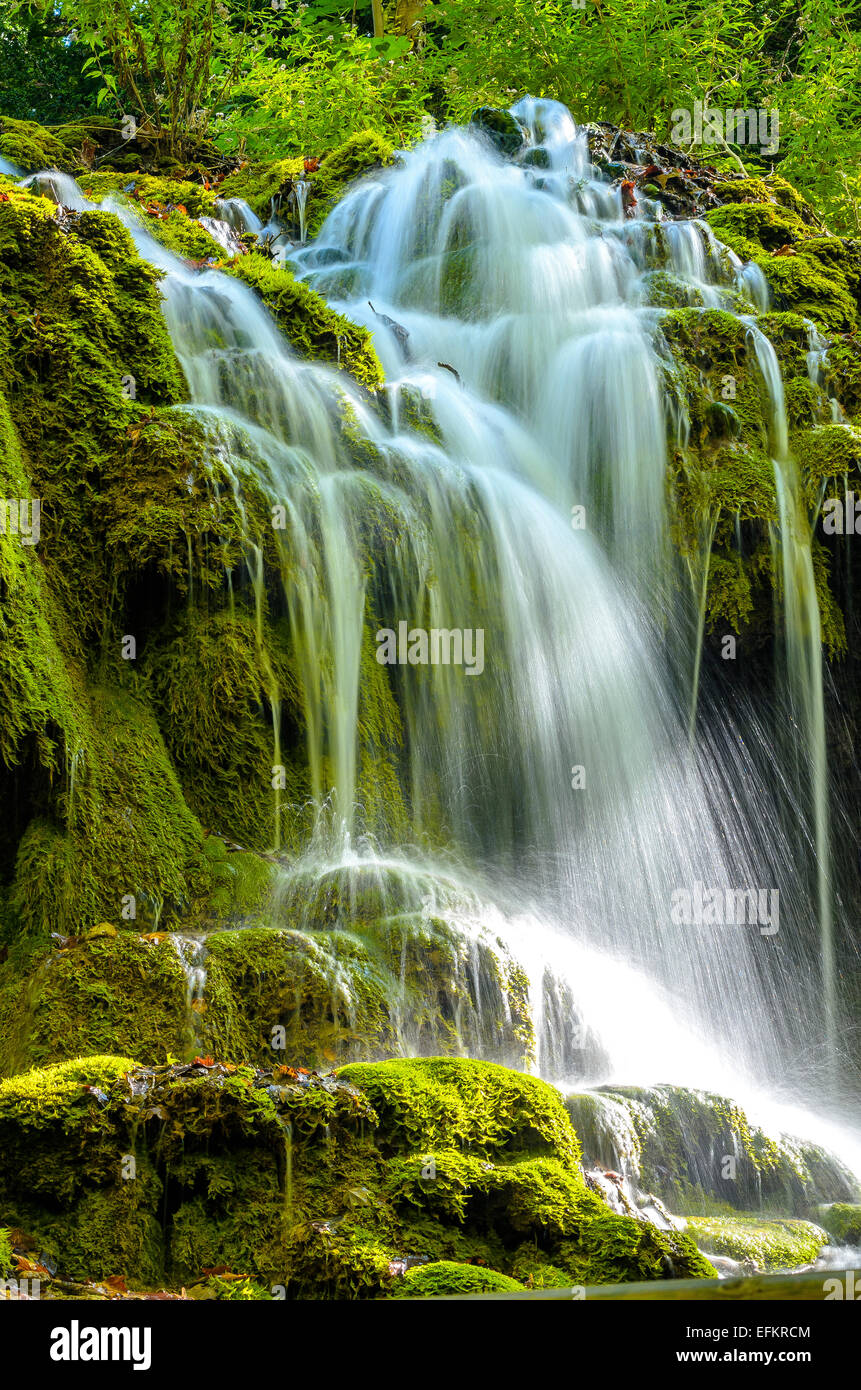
41,70
318,77
160,63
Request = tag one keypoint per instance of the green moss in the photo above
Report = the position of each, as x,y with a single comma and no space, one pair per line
33,147
112,994
722,479
613,1249
761,1244
443,1101
667,291
168,208
326,993
48,1095
360,155
842,1221
682,1136
444,1279
88,357
168,511
230,1290
259,183
816,275
148,190
829,452
843,373
295,1180
211,686
130,842
533,1270
312,328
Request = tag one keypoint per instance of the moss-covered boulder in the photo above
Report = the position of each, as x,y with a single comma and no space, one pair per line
446,1279
301,1184
151,190
246,991
93,995
759,1244
815,274
842,1221
701,1152
33,147
722,471
169,209
262,183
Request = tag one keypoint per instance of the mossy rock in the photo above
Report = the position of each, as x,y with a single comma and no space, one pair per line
444,1101
762,1244
131,850
324,994
829,452
122,993
326,997
504,132
680,1138
812,273
842,1221
297,1181
167,207
360,155
445,1279
33,147
84,322
722,477
151,190
667,291
313,329
843,373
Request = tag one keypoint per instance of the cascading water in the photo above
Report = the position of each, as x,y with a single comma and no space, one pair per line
510,310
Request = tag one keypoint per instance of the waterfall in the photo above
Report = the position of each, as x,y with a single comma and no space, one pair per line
555,800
